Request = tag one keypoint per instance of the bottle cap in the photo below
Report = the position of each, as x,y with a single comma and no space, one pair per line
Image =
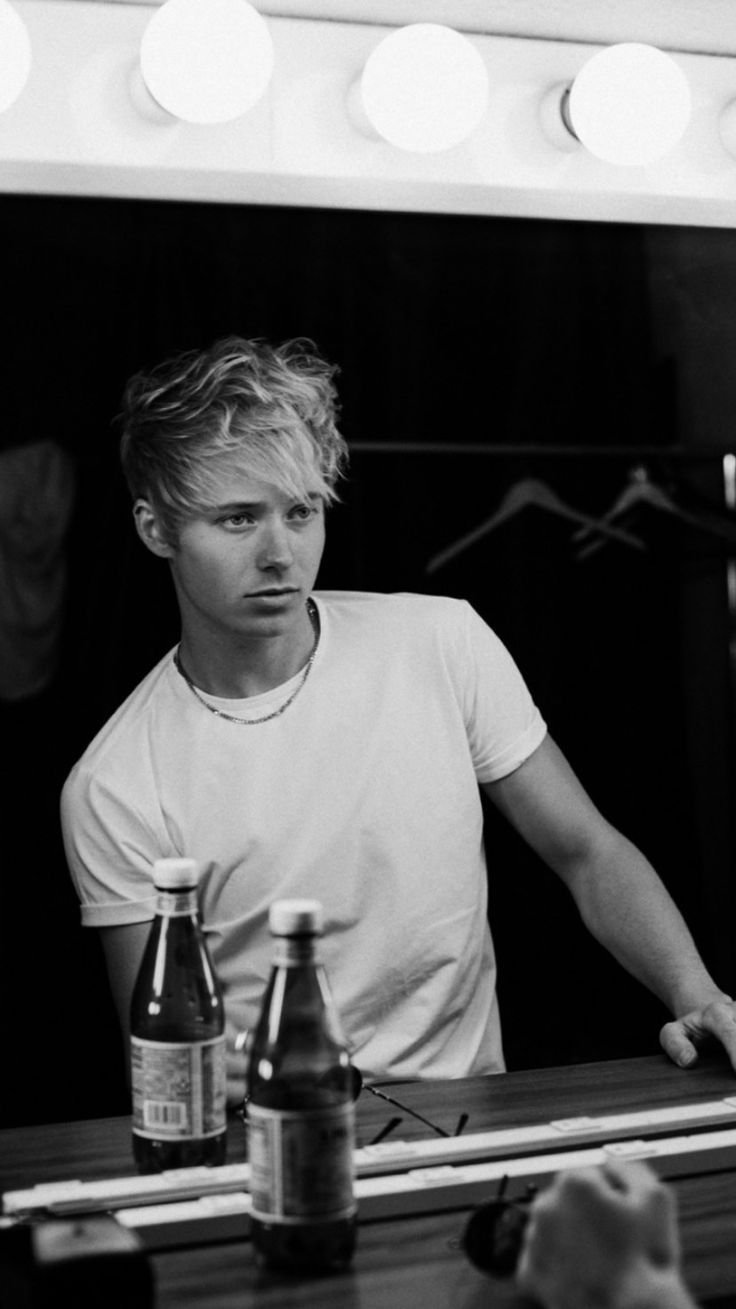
295,917
175,874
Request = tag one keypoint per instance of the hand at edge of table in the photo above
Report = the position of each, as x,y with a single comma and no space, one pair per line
682,1037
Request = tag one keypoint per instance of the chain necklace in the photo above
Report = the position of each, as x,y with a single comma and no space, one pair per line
251,722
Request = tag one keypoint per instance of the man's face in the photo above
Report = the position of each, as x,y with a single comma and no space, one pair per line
245,564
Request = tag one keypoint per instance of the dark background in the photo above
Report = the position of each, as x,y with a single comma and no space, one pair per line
558,351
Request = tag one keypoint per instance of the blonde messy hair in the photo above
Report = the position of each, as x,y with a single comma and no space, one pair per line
267,411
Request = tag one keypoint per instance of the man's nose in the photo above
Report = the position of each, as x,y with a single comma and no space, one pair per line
275,546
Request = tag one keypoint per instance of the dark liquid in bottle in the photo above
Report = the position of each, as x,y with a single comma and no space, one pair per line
299,1065
177,998
316,1248
158,1156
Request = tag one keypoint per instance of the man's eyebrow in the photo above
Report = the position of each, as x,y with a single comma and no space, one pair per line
236,506
232,506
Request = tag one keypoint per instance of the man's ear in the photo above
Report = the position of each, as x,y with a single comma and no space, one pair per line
150,530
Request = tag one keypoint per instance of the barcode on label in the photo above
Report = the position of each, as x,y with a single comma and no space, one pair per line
160,1113
178,1087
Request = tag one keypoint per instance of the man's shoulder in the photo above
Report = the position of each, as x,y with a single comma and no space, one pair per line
375,606
416,625
122,738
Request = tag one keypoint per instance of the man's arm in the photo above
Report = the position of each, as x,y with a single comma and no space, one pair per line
123,950
621,899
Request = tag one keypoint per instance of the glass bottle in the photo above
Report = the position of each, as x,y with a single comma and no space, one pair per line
177,1040
300,1108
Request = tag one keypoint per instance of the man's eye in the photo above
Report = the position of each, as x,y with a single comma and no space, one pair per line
303,512
236,520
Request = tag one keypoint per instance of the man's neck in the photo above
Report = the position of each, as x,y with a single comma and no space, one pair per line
236,668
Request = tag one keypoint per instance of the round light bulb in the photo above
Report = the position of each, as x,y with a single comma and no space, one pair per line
15,54
424,88
629,104
206,61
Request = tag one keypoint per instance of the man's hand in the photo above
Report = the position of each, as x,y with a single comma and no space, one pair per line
607,1237
681,1038
236,1057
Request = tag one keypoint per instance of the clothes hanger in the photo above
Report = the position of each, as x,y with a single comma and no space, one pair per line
641,490
529,491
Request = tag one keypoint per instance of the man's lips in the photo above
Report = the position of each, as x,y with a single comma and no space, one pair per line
274,591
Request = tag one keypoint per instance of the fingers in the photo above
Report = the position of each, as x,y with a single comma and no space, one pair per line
591,1224
236,1065
631,1177
677,1045
235,1091
680,1039
651,1204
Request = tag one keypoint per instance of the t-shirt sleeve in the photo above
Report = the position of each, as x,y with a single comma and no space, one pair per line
110,851
503,723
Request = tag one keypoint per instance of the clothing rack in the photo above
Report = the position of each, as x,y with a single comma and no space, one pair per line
634,453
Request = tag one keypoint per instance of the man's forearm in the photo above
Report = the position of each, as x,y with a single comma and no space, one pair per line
625,905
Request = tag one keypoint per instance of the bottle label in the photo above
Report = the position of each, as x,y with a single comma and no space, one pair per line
178,1088
301,1163
176,904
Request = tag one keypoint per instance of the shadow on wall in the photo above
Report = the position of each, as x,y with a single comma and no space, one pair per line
64,1056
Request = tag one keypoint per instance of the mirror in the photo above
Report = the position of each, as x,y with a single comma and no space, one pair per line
473,353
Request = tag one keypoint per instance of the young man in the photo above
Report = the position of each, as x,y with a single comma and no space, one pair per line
332,745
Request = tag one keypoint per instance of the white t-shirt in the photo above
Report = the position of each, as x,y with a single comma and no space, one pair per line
363,794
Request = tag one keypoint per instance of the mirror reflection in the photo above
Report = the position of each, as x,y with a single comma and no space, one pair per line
538,415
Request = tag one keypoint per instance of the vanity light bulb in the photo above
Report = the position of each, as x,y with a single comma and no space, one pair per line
629,104
15,54
206,61
424,88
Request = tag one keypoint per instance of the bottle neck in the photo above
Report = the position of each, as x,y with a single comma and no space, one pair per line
181,903
294,951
